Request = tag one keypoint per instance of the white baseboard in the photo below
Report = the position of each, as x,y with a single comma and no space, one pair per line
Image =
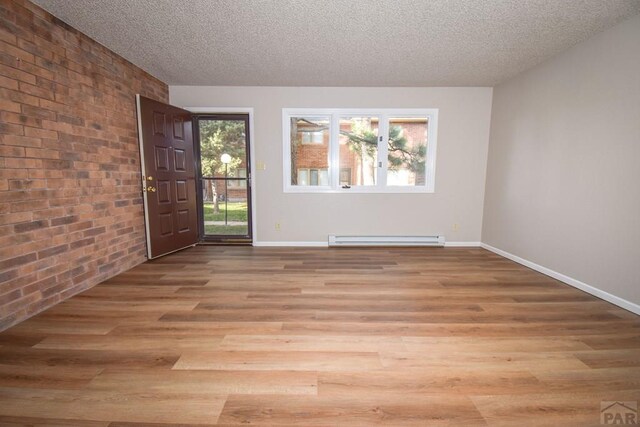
620,302
325,244
462,244
293,244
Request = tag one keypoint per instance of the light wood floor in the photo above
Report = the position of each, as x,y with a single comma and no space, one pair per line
270,336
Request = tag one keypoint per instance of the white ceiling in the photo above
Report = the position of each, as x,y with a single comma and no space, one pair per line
339,42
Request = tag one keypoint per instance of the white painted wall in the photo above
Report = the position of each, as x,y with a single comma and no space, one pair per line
463,133
563,182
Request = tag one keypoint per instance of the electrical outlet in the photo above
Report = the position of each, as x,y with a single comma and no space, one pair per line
261,166
277,226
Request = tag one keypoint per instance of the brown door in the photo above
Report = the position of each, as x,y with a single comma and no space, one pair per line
169,186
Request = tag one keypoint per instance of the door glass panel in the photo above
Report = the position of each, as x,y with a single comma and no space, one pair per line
407,151
223,165
229,214
358,150
218,137
310,150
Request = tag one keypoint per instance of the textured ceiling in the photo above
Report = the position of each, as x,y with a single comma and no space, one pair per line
339,42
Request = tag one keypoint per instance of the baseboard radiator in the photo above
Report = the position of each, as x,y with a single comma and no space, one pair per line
335,241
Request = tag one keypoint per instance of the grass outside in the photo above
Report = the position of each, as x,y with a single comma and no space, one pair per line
224,230
237,211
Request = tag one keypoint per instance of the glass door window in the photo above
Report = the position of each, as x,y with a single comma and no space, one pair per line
225,201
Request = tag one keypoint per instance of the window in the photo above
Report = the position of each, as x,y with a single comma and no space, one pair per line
240,183
312,137
313,177
349,150
308,149
359,148
345,176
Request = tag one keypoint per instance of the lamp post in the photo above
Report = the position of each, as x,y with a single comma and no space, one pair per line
226,159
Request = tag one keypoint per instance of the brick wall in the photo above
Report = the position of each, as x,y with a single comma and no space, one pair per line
70,202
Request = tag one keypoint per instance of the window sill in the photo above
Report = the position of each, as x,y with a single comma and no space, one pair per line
359,190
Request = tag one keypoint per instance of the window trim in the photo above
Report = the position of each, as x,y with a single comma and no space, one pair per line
383,114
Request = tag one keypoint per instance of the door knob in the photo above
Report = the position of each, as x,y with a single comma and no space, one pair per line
151,189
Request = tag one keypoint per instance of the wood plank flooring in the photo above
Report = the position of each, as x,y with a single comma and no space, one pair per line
321,337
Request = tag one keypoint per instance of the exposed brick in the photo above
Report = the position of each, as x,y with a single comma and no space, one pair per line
17,261
64,220
7,105
16,74
16,217
94,231
21,119
36,91
24,163
80,226
9,83
53,251
7,37
40,113
41,153
19,96
57,164
9,151
30,205
8,275
28,226
16,52
80,243
39,286
40,133
69,163
22,141
24,184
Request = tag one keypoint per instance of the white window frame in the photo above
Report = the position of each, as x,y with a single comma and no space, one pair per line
334,148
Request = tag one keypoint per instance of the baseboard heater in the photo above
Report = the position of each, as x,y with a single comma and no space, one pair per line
385,240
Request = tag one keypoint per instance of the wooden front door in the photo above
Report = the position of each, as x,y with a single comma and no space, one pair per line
168,168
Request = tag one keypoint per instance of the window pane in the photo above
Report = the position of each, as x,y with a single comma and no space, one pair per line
317,137
407,151
323,177
309,148
224,215
358,150
303,176
238,173
345,176
218,137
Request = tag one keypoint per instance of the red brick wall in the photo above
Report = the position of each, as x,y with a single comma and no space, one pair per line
70,202
314,156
